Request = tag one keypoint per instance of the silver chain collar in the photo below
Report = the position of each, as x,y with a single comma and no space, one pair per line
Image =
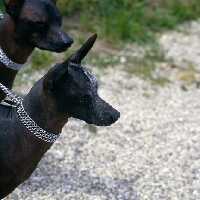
9,63
5,60
1,15
26,120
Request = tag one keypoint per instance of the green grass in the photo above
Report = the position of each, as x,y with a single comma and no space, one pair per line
41,59
130,20
2,8
145,64
92,128
103,61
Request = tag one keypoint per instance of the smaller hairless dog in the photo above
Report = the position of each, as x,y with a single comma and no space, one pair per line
28,24
28,130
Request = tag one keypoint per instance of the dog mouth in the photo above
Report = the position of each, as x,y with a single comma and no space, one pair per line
107,120
54,48
61,48
100,123
58,48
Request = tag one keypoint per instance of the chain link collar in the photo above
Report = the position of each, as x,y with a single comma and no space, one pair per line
9,63
26,120
5,60
1,15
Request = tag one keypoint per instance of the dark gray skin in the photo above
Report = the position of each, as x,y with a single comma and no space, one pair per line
29,24
67,90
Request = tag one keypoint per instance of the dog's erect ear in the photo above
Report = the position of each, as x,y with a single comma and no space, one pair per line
12,5
54,74
82,52
54,1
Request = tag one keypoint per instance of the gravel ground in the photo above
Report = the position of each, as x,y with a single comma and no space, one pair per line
152,152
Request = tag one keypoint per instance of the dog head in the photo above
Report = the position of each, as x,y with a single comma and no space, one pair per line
74,89
38,23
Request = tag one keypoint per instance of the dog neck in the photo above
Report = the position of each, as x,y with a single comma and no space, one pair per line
15,51
42,108
26,120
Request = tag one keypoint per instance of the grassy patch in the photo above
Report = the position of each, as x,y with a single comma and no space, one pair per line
26,71
102,62
2,7
145,64
189,75
92,128
40,59
184,88
130,20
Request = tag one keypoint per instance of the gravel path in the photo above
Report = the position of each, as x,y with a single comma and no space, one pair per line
152,152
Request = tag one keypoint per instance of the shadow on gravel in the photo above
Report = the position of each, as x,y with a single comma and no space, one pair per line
79,182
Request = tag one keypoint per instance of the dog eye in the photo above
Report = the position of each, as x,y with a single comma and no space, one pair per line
85,100
82,102
39,24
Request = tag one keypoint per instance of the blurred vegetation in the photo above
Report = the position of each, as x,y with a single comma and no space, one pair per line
144,66
120,22
41,58
2,8
130,20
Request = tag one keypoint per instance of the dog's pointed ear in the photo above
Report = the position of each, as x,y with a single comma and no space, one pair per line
54,1
53,75
12,6
82,52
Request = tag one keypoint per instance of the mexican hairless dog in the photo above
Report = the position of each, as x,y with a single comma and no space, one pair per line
28,24
67,90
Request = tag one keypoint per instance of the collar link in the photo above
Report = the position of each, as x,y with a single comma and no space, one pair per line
26,119
9,63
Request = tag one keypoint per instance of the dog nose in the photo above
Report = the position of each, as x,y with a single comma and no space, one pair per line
115,115
70,41
67,42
